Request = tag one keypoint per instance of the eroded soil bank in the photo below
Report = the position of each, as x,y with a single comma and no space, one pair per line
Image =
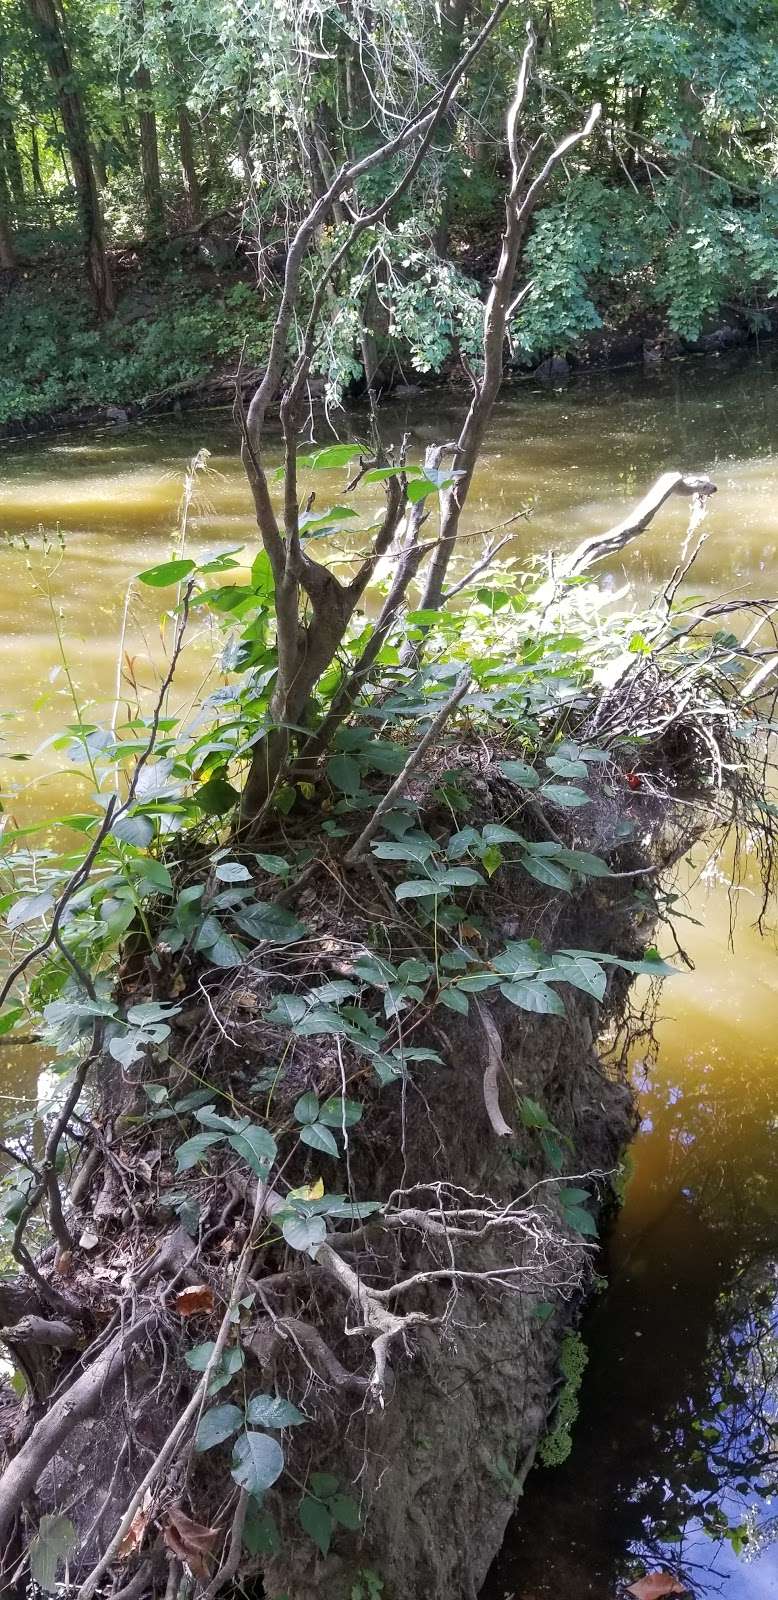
419,1355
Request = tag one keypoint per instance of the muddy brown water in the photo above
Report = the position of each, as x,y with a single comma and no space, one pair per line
678,1408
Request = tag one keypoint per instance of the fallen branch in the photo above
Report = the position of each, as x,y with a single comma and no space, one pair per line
600,545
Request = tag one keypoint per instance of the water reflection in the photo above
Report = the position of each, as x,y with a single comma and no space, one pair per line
675,1458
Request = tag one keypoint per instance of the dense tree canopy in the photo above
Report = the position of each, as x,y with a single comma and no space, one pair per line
180,140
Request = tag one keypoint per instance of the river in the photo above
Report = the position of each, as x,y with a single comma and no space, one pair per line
678,1409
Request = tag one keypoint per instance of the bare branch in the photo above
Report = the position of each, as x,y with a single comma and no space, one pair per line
414,760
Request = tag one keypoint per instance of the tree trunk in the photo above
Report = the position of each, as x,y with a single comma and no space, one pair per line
13,166
7,251
35,165
188,168
149,153
71,106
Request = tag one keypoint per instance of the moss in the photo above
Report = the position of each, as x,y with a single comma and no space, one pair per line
557,1443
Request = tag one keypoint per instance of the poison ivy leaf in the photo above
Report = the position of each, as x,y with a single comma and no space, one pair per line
519,772
331,455
257,1147
216,797
257,1461
518,960
307,1108
344,774
30,908
55,1540
566,767
454,1001
497,833
260,1532
477,982
416,889
217,1425
275,865
581,1220
460,877
304,1233
566,795
319,1138
533,997
269,1411
404,850
212,940
338,1113
583,974
211,1118
269,923
346,1512
582,861
317,1522
166,573
548,872
193,1150
232,872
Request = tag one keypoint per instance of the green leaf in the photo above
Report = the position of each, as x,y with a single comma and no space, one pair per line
317,1522
332,455
564,767
10,1018
307,1108
166,573
534,996
497,833
454,1000
257,1461
156,1093
188,1154
269,1411
581,1220
56,1538
548,872
416,889
587,865
198,1357
304,1233
477,982
257,1147
565,795
460,877
324,1485
260,1532
346,1512
418,850
216,797
269,924
338,1113
30,908
133,828
319,1138
519,772
217,1425
585,975
232,872
275,865
344,774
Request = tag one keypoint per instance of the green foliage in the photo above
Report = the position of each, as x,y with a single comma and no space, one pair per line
557,1443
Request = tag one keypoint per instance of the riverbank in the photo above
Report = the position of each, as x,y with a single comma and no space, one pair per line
187,324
